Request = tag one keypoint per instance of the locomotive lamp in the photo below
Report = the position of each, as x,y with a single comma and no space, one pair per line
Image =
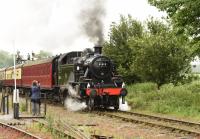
123,85
88,85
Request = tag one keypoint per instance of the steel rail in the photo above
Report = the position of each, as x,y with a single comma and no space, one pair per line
19,130
150,123
44,123
74,130
161,118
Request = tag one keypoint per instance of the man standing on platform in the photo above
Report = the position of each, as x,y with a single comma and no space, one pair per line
35,97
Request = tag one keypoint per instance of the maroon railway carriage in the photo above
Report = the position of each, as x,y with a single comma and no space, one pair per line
40,71
9,76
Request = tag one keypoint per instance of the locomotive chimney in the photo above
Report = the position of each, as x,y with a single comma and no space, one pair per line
97,49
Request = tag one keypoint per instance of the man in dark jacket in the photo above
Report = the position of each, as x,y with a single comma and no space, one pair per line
35,98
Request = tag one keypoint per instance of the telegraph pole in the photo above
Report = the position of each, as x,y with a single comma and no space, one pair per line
15,91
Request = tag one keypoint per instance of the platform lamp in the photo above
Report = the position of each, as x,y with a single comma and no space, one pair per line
15,91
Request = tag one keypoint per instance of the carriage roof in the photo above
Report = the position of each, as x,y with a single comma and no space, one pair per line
42,61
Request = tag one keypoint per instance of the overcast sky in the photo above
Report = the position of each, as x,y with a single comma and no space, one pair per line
52,25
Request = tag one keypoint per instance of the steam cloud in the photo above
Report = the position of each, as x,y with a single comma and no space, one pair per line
91,20
73,104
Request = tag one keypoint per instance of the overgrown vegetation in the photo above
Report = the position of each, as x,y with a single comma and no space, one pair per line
180,100
22,106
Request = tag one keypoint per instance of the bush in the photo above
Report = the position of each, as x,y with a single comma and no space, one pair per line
142,87
194,87
139,93
181,100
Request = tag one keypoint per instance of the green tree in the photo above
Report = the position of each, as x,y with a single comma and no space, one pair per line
185,15
163,56
6,59
149,52
118,48
43,54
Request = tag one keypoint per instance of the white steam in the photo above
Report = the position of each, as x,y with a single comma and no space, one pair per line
72,92
123,107
73,104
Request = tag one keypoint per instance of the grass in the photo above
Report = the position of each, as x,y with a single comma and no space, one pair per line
22,107
181,100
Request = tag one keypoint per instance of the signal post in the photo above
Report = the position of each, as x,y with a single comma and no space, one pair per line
15,91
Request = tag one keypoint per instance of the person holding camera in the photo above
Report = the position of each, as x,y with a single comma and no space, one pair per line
35,98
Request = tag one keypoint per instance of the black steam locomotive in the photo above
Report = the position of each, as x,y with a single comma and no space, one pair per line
96,82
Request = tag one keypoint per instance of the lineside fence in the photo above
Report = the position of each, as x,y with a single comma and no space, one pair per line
25,105
4,109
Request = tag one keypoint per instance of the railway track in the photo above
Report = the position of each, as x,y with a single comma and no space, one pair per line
68,131
11,132
63,129
173,125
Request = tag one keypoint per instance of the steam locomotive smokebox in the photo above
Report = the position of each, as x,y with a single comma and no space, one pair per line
97,49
